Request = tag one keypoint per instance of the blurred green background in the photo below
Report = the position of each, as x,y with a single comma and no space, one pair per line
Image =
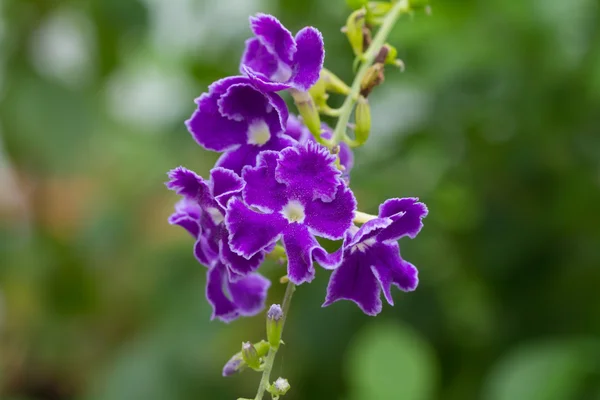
495,125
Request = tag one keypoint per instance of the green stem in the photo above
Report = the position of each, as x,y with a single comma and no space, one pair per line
368,57
270,359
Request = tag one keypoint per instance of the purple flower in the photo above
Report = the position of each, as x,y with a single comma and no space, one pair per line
296,130
238,119
295,195
231,286
275,60
369,260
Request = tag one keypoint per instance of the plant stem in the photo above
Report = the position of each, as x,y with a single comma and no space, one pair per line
270,359
368,57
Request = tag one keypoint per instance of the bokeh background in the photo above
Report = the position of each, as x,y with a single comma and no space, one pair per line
495,125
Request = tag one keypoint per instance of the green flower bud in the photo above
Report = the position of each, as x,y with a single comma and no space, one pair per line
279,388
250,355
372,78
376,11
274,325
308,110
354,30
334,84
319,92
362,120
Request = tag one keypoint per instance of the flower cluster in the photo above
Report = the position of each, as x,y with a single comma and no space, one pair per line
274,187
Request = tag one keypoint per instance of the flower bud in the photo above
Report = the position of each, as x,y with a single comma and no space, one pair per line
250,355
333,83
372,78
274,325
279,387
234,365
308,110
354,30
362,119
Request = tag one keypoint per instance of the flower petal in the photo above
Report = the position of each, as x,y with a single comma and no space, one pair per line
369,230
206,251
238,265
326,260
224,185
243,101
187,215
309,171
262,190
389,268
209,128
250,231
331,219
258,58
223,307
274,36
407,214
249,294
309,58
299,245
353,280
262,82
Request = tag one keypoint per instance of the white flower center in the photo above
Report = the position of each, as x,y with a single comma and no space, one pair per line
215,215
293,211
363,246
258,132
283,73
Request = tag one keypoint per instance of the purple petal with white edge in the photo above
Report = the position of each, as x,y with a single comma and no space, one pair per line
236,160
238,265
249,294
188,223
406,213
331,219
309,58
299,245
262,82
187,183
262,190
206,251
216,282
369,230
250,231
282,111
225,184
274,36
243,102
309,171
257,58
209,128
389,268
354,281
326,260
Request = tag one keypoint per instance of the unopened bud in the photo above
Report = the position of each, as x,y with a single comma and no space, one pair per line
334,84
372,78
308,110
234,365
274,325
377,10
362,119
280,387
354,30
250,355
